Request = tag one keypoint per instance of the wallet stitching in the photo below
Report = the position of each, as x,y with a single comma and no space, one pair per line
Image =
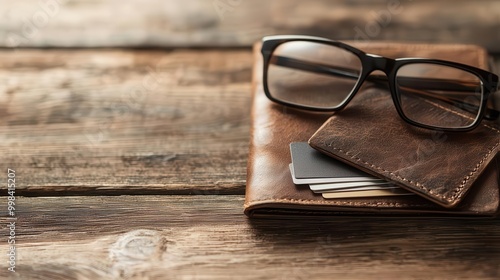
449,110
460,114
416,184
419,185
467,177
340,203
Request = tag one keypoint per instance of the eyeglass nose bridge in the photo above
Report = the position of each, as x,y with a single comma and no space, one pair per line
377,62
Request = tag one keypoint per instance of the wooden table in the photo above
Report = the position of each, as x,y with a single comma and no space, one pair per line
131,164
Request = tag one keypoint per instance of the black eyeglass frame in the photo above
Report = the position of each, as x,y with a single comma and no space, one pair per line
372,62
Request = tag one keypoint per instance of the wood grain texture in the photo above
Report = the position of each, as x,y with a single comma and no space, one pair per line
172,23
110,121
208,237
121,122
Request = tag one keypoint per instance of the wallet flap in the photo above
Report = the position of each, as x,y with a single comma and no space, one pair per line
439,166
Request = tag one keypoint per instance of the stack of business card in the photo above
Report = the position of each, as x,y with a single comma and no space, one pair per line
334,179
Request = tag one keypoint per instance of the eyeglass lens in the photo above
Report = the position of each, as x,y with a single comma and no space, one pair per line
439,95
312,74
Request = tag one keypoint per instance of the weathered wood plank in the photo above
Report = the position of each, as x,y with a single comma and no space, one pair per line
127,121
172,23
116,122
207,237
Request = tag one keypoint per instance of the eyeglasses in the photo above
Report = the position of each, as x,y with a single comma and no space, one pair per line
319,74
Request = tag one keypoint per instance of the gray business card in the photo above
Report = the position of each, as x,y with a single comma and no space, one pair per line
313,167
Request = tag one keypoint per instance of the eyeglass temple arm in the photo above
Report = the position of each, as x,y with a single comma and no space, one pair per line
405,82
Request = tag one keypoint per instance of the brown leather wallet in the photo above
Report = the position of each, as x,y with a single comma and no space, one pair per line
270,191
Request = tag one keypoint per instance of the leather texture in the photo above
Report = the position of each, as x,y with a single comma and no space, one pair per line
270,191
438,166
